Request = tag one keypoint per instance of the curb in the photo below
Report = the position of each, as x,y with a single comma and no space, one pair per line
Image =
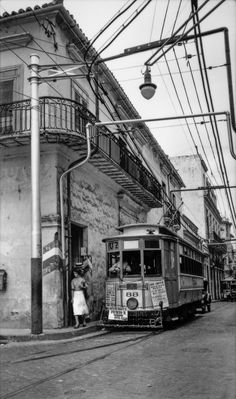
57,335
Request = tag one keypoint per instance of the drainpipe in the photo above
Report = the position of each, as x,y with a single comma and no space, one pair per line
78,162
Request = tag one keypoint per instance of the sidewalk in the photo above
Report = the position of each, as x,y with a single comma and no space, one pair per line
22,335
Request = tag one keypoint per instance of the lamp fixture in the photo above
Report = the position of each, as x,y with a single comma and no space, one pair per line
147,88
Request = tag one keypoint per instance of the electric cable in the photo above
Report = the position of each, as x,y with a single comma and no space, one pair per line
113,19
210,102
138,12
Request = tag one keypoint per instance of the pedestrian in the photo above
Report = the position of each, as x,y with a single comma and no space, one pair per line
80,308
88,272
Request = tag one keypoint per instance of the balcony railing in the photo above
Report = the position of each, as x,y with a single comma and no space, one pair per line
63,117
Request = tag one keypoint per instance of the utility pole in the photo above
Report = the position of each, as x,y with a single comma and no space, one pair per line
36,239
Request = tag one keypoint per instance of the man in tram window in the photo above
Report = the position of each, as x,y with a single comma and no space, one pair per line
116,267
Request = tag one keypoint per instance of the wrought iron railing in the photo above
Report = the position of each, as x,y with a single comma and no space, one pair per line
64,116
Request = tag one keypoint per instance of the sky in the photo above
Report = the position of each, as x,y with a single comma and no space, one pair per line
183,94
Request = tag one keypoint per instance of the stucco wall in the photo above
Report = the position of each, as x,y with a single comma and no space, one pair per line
15,229
95,204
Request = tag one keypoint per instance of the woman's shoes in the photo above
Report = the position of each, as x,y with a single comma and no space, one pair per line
75,327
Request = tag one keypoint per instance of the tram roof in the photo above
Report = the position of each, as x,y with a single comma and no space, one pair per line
141,229
148,230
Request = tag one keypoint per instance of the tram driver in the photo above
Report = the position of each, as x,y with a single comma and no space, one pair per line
116,268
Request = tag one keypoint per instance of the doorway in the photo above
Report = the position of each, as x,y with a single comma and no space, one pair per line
77,249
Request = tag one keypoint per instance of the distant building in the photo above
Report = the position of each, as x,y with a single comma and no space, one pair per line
230,256
201,207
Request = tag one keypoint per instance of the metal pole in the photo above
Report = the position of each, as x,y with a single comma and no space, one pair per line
164,118
36,241
201,188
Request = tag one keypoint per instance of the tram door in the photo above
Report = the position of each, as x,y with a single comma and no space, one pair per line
170,271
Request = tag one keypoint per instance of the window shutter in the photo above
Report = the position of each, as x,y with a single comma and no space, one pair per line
6,91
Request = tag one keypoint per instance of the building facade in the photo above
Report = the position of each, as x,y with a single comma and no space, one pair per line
201,207
127,179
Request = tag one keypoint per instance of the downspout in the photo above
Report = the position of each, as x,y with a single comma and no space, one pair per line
72,166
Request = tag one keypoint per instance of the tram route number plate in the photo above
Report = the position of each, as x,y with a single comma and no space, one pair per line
118,314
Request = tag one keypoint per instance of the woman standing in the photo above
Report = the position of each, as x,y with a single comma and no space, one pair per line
80,308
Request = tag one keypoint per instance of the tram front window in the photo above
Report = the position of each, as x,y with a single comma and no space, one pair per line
114,264
152,263
130,265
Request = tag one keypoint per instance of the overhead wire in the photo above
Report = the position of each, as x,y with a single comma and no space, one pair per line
111,21
205,125
124,26
195,87
181,38
182,79
176,91
161,74
168,40
180,72
210,106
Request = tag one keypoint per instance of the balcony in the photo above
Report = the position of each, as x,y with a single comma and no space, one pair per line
63,121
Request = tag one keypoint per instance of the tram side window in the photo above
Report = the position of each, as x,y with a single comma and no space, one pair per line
152,263
190,266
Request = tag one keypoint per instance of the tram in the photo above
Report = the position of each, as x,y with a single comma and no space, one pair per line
153,278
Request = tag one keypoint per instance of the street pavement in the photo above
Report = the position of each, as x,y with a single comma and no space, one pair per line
194,360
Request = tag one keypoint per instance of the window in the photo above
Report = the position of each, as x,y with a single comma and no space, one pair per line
11,89
6,91
191,262
131,263
151,243
152,263
6,96
113,264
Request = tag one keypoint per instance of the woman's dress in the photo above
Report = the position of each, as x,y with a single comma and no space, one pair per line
79,303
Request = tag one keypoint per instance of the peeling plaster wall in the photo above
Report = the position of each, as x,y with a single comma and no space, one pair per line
15,235
95,205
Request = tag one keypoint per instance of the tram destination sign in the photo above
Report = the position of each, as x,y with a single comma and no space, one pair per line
118,314
112,246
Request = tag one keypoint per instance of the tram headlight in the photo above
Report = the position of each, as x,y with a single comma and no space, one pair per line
132,303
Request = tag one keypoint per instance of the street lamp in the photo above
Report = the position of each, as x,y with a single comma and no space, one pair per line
147,88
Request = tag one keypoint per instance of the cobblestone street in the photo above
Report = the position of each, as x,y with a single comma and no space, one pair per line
193,360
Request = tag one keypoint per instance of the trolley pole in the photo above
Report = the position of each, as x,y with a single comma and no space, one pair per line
36,241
